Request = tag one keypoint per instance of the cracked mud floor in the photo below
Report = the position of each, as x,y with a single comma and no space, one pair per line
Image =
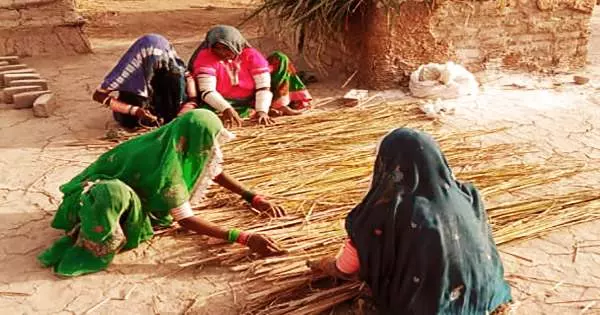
34,162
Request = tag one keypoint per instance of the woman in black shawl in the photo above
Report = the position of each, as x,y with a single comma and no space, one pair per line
420,239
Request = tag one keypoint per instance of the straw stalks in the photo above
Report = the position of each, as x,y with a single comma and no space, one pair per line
283,283
318,166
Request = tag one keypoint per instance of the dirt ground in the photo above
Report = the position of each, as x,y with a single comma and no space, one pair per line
560,118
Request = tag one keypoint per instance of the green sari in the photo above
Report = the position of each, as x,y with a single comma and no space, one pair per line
114,203
286,85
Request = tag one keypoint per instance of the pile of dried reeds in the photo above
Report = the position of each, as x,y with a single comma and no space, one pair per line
319,167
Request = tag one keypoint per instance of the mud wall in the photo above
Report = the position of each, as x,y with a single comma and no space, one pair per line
526,34
529,35
397,43
41,27
384,47
336,59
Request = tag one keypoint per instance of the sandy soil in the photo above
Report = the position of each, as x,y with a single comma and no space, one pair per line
35,161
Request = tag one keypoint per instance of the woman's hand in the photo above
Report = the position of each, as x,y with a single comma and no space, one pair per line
231,118
262,205
327,266
257,202
264,119
101,96
263,245
145,115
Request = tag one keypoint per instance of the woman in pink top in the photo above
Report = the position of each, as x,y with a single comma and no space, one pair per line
236,80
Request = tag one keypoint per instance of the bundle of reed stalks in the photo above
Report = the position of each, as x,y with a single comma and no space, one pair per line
319,168
279,285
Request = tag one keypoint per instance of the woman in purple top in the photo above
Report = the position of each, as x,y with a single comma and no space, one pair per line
152,83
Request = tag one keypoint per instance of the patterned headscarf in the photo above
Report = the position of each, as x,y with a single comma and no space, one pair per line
136,68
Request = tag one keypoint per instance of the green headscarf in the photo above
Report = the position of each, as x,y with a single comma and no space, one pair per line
165,167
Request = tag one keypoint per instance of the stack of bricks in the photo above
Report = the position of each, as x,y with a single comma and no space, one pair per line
22,87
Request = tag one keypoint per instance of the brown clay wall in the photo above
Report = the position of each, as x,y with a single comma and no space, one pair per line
397,43
514,34
526,34
335,60
39,27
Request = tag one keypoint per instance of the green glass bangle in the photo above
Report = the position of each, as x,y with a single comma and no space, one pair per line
233,235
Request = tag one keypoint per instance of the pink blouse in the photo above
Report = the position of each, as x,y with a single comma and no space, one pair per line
235,78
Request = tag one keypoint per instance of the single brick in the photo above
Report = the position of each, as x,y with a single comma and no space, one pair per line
44,105
9,92
9,77
2,74
580,80
13,60
12,67
3,63
26,99
40,82
25,70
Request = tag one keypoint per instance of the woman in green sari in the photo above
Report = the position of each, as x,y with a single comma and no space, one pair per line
147,181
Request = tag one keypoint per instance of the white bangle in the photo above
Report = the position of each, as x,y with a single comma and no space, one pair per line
206,82
263,101
216,100
182,212
262,80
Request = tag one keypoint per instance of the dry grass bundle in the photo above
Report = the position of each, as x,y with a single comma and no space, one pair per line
280,285
319,167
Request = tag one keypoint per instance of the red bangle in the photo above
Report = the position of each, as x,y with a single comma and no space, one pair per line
243,238
257,198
